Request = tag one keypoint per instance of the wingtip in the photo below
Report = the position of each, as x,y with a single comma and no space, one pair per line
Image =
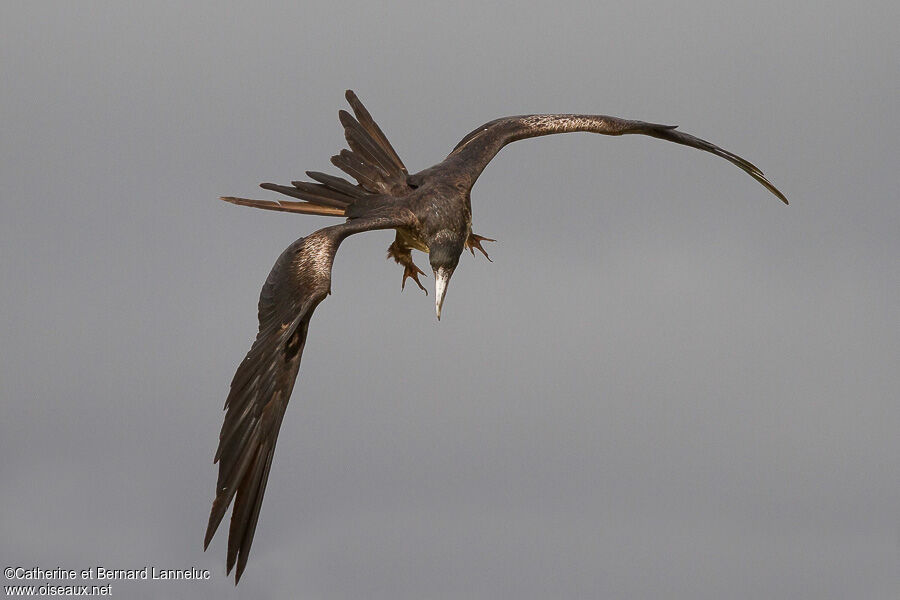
229,565
233,561
210,532
215,517
238,563
775,191
781,196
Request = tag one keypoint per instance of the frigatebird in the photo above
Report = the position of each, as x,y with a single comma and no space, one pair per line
430,211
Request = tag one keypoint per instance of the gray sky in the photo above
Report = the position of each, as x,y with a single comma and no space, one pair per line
667,384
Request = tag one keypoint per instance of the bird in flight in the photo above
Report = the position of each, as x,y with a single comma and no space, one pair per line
430,211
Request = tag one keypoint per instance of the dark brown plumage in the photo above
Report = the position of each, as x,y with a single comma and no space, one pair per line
430,211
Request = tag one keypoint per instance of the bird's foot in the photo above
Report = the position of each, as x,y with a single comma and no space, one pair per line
474,241
411,271
403,256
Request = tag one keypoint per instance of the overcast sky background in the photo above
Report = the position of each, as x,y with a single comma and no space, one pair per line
667,384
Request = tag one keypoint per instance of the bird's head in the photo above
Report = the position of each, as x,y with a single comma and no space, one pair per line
443,254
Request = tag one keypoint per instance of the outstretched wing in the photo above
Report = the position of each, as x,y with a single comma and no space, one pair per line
476,150
262,385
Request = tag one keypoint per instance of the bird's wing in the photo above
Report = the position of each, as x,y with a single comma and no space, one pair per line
477,149
371,159
261,388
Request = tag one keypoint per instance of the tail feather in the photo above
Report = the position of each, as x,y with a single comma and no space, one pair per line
371,160
337,184
311,192
367,175
365,119
307,208
361,143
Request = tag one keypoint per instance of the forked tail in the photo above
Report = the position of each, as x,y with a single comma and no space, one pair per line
371,160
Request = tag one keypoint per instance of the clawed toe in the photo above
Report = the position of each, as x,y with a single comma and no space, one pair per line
403,256
474,241
411,271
